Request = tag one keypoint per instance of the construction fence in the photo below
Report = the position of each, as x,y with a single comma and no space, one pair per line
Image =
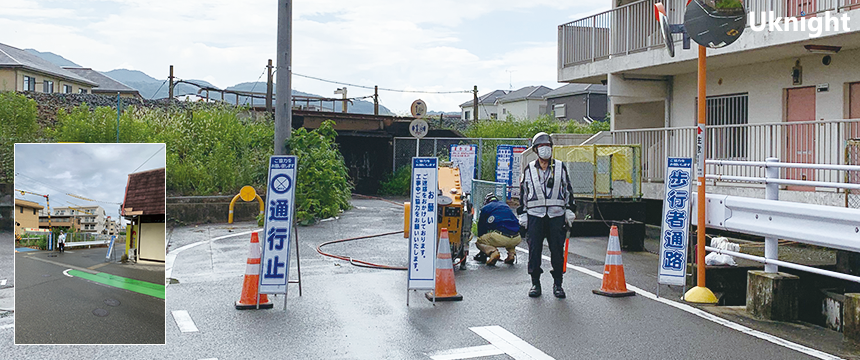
596,171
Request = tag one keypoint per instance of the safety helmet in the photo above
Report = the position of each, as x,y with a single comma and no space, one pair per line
490,197
541,138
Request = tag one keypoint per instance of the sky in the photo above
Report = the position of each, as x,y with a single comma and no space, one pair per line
94,171
439,45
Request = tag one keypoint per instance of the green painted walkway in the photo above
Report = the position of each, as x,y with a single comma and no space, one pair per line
137,286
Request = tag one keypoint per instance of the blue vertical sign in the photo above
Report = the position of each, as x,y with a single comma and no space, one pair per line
110,247
675,229
422,223
508,169
280,210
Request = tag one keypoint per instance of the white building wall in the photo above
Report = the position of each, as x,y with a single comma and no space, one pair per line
766,83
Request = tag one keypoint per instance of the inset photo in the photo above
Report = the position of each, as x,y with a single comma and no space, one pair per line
89,222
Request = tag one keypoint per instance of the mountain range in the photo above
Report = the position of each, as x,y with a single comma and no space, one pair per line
152,88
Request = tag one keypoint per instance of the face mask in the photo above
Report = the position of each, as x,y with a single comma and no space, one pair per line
545,152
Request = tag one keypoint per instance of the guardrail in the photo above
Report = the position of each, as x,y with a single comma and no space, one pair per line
827,226
632,28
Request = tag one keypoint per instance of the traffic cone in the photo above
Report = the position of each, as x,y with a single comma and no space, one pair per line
248,300
613,270
446,289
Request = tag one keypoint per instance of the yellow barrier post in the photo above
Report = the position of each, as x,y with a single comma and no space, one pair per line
246,194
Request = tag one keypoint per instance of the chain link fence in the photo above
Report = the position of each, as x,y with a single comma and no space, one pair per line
480,189
852,157
404,151
603,171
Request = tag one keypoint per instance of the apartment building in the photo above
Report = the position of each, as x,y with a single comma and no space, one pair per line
89,219
775,92
26,215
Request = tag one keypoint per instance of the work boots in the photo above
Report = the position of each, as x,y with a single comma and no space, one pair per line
535,290
480,257
558,291
494,257
512,256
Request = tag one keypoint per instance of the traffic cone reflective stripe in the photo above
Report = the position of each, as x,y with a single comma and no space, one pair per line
248,299
614,284
446,289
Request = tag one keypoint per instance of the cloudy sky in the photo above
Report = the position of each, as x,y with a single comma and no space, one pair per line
94,171
439,45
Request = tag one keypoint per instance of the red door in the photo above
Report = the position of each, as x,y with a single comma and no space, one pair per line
800,138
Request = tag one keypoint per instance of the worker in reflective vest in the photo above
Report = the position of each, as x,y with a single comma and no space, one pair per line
546,211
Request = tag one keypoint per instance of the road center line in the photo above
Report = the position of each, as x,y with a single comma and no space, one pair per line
708,316
183,320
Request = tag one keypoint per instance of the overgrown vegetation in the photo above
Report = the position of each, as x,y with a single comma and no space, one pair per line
396,183
514,128
324,189
17,125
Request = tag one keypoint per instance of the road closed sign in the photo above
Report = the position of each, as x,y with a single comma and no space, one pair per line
280,212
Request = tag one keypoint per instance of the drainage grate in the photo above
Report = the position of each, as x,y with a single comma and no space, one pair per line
112,302
100,312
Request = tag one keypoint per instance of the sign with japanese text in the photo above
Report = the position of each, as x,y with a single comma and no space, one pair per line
280,210
675,229
508,171
110,246
700,152
419,128
464,157
422,223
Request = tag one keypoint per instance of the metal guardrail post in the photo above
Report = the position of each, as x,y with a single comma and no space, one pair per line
771,192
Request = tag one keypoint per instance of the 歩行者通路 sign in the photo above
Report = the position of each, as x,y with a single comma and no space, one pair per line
675,222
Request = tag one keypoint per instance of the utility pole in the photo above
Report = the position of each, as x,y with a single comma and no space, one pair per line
269,88
284,112
342,91
375,100
475,103
170,88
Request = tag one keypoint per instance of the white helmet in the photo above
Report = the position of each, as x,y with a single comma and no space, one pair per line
541,138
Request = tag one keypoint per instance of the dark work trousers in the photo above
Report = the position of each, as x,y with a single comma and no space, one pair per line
553,230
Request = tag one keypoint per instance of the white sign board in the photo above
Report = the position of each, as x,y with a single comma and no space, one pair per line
516,170
418,108
675,229
464,158
280,212
419,128
422,223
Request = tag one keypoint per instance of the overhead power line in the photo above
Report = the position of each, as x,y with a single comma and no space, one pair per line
383,89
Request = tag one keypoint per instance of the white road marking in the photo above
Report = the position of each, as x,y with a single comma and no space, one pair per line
2,282
7,326
171,256
509,343
501,342
183,320
467,353
66,272
708,316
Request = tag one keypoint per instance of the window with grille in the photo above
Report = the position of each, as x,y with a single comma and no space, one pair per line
726,138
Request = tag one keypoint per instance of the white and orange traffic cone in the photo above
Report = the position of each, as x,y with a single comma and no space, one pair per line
614,284
446,289
250,287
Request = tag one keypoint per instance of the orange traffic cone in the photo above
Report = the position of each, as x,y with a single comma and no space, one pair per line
446,289
613,270
248,300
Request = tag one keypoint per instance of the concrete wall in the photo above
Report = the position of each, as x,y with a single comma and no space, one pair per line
638,115
7,80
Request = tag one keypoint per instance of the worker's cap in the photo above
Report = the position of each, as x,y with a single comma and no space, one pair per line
490,197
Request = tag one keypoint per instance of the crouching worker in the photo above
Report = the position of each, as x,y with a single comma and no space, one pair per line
497,227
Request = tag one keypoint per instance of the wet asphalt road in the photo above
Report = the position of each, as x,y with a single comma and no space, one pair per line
346,312
53,308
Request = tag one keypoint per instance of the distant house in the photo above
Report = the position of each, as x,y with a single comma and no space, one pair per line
26,215
23,71
487,108
105,84
143,206
580,102
525,103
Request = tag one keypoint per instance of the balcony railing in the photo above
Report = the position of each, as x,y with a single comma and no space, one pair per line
633,28
812,142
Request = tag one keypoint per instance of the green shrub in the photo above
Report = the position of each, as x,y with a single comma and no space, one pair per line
323,188
17,125
396,183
